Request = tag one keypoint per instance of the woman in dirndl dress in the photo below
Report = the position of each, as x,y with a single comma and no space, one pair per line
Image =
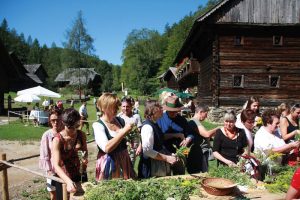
113,160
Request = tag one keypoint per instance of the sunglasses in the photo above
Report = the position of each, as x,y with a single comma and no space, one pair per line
54,120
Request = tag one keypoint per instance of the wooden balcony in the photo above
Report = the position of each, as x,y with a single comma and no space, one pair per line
189,69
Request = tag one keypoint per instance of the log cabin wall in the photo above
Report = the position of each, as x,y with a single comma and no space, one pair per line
265,64
259,62
205,82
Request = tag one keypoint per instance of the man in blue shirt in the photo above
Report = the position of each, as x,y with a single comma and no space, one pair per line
175,129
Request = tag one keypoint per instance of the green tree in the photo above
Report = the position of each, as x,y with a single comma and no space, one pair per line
142,56
4,33
80,44
34,55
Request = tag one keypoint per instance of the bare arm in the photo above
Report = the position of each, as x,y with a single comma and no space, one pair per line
292,193
283,129
71,187
287,147
205,133
224,160
166,158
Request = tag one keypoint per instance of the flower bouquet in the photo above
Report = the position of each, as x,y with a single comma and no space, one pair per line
182,153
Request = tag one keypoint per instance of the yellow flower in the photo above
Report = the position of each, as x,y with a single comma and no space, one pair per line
258,121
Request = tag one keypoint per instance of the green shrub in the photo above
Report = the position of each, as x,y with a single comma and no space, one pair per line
150,189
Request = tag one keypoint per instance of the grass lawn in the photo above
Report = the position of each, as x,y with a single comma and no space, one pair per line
17,131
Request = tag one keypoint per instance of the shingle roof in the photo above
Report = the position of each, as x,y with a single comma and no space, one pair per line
34,77
171,69
32,68
74,75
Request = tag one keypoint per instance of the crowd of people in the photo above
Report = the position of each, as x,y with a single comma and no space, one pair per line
156,140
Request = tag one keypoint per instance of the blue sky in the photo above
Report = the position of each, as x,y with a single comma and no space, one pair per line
107,21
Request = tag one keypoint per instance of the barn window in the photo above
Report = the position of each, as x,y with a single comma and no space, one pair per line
238,40
238,80
274,81
277,40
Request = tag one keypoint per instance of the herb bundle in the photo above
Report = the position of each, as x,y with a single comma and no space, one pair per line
149,189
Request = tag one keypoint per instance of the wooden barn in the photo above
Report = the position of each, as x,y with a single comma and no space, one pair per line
242,48
170,78
13,75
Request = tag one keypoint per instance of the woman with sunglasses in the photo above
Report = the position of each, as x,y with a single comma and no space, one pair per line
113,160
289,125
65,149
45,149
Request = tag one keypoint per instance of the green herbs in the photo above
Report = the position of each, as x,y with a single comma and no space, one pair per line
297,137
282,180
182,152
150,189
134,134
231,173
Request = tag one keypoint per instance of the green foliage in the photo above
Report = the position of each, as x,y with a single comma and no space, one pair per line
282,179
232,173
150,189
142,56
77,37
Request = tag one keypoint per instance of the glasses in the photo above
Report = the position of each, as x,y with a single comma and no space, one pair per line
54,120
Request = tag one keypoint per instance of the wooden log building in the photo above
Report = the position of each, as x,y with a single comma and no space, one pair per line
242,48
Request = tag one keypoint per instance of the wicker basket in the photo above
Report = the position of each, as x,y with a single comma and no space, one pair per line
224,189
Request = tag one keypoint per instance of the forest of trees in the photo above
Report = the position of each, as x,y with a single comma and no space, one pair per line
146,54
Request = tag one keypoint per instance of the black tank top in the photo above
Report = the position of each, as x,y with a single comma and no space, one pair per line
290,129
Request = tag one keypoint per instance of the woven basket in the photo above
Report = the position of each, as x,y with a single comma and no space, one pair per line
226,188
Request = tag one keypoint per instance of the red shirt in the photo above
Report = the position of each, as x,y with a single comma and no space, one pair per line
295,183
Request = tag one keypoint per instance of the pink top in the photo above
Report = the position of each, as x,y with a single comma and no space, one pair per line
45,151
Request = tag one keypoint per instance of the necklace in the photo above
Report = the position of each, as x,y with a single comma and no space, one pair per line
230,134
69,140
233,136
109,122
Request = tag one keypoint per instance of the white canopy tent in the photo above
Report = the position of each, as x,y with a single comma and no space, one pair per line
28,98
39,91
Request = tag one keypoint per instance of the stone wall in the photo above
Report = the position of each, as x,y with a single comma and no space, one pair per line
216,114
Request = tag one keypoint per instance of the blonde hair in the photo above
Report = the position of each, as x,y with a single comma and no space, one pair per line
164,95
108,100
283,107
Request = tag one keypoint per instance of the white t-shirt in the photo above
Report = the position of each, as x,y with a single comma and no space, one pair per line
135,119
264,141
83,111
248,135
238,122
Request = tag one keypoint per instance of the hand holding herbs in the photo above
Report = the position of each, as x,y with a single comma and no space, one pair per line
182,152
133,134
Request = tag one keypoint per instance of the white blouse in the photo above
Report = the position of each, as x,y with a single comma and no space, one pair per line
100,135
147,135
